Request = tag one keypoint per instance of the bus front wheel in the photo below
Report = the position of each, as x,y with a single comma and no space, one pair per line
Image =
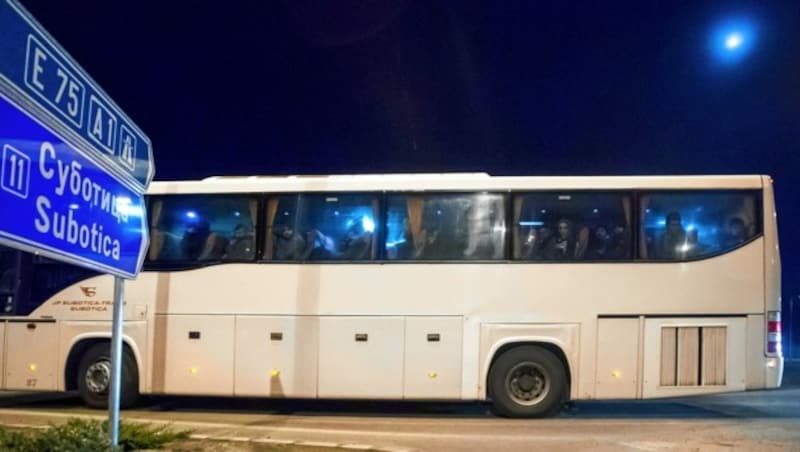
527,381
94,377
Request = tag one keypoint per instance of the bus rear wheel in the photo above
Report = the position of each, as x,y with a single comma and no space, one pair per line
527,381
94,377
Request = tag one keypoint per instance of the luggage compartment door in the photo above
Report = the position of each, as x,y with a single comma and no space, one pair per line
361,357
276,356
433,358
198,355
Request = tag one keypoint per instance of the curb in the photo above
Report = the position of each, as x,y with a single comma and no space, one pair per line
290,442
245,439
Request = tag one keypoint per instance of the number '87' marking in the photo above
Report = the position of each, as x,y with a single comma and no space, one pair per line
16,172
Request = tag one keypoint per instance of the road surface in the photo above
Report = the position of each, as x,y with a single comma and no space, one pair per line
756,420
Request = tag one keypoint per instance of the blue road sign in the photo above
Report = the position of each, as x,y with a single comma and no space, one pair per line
57,200
35,66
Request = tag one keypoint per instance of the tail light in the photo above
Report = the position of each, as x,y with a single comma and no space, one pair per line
774,333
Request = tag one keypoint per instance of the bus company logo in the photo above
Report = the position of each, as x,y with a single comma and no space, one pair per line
89,291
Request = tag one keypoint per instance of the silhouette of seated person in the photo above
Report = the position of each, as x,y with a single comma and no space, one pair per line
193,242
693,246
289,245
561,246
212,247
319,247
607,245
241,245
736,233
600,245
166,242
672,244
619,240
357,243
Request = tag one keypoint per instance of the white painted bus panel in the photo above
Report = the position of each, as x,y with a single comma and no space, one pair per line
3,355
433,358
617,358
197,355
32,356
535,292
361,357
276,356
756,362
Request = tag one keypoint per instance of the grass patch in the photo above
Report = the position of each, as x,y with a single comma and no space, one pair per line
81,435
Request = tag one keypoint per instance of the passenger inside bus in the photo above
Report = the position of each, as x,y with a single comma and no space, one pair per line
357,243
735,234
445,227
200,243
561,246
289,245
241,245
566,244
673,243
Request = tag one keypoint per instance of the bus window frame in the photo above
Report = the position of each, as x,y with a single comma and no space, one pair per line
506,194
634,196
631,194
183,265
759,220
265,198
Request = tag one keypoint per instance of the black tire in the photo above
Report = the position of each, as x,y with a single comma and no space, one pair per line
527,381
97,361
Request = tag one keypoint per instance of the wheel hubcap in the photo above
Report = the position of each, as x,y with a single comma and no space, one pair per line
527,383
98,376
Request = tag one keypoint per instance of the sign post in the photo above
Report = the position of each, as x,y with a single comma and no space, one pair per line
116,360
73,168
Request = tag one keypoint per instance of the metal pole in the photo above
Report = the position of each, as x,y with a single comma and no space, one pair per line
116,361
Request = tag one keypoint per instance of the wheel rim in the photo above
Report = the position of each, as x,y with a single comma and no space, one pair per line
527,383
98,376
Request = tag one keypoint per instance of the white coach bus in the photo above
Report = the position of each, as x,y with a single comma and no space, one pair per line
526,291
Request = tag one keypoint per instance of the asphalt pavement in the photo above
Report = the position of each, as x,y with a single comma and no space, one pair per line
753,420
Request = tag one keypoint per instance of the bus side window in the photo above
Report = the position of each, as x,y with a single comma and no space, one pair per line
202,228
445,227
321,227
694,224
572,226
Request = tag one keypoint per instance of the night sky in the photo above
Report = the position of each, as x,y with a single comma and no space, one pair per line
511,87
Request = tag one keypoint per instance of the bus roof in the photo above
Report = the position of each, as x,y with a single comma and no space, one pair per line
448,181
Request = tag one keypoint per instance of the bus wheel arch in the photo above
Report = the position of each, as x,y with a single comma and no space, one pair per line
92,355
542,362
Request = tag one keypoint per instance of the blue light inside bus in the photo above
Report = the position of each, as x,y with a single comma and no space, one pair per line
395,243
531,223
368,223
191,214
